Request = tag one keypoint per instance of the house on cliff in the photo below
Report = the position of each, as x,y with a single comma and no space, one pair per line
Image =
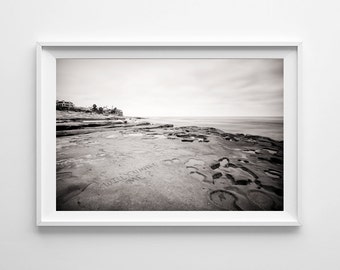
64,105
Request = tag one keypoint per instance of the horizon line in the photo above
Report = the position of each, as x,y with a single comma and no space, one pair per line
208,116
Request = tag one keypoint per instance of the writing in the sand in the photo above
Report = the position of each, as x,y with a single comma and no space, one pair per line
130,176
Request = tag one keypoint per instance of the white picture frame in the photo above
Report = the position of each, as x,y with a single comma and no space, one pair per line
48,52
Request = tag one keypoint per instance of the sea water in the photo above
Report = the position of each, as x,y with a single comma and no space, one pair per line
271,127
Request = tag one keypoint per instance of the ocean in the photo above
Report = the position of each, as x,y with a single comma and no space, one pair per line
271,127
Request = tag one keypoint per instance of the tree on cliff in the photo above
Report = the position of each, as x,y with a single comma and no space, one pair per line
94,107
100,110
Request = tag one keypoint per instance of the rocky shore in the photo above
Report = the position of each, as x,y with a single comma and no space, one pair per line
122,163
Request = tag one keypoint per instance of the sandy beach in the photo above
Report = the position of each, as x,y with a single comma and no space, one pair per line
120,163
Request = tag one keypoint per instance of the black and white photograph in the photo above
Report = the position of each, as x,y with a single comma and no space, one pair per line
169,134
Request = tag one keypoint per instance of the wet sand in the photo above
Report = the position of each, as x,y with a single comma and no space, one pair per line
134,165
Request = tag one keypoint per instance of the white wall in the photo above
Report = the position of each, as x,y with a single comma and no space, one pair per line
315,245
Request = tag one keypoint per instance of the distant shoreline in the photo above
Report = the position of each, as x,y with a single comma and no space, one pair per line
262,126
74,123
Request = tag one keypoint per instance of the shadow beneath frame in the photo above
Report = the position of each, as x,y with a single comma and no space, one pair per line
161,230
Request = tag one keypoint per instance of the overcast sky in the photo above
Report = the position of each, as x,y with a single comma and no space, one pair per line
175,87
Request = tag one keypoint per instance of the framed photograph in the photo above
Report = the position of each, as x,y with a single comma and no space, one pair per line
167,134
